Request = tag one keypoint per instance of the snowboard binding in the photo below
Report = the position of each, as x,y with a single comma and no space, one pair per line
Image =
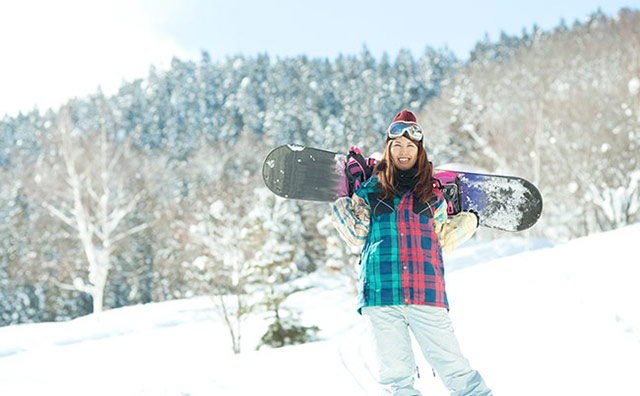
449,185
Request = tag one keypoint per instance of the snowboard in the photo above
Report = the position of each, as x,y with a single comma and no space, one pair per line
505,203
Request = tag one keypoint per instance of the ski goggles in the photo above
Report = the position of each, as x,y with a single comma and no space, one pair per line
401,128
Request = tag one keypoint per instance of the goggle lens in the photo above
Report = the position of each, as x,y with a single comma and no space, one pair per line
400,128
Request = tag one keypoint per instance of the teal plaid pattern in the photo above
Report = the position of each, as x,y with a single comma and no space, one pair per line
402,257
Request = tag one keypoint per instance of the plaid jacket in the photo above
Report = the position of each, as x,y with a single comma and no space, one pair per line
403,241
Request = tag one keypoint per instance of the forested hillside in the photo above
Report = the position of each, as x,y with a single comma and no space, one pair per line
155,193
562,111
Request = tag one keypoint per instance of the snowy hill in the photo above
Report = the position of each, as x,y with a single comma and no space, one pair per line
561,320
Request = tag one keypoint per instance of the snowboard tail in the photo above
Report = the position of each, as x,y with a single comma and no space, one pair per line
297,172
506,203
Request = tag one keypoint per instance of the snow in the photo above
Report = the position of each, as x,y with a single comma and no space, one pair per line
534,319
296,147
634,86
460,167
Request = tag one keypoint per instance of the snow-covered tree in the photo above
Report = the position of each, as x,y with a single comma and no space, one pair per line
92,184
557,110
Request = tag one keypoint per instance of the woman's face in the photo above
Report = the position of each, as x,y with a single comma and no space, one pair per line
404,153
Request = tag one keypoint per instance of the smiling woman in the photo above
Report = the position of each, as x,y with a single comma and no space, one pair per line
400,222
405,162
404,153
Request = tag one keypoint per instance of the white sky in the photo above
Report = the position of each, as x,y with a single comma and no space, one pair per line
54,50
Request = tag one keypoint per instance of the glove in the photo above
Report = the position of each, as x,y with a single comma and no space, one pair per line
358,169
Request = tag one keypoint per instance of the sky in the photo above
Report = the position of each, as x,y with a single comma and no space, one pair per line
53,51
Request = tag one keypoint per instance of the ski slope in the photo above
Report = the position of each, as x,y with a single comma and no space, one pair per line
533,319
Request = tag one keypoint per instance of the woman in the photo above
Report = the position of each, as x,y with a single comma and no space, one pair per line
400,220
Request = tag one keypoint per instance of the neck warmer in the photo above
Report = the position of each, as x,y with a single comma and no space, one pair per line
406,180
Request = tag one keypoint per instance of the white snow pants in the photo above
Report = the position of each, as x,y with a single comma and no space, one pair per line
431,326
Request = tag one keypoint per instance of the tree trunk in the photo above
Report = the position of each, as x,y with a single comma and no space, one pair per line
98,296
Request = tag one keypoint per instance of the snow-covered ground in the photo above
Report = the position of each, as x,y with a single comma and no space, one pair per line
533,319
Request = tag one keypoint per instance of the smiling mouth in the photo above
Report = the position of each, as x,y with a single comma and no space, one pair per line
403,160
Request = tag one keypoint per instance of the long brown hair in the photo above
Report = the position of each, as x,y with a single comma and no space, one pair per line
388,174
